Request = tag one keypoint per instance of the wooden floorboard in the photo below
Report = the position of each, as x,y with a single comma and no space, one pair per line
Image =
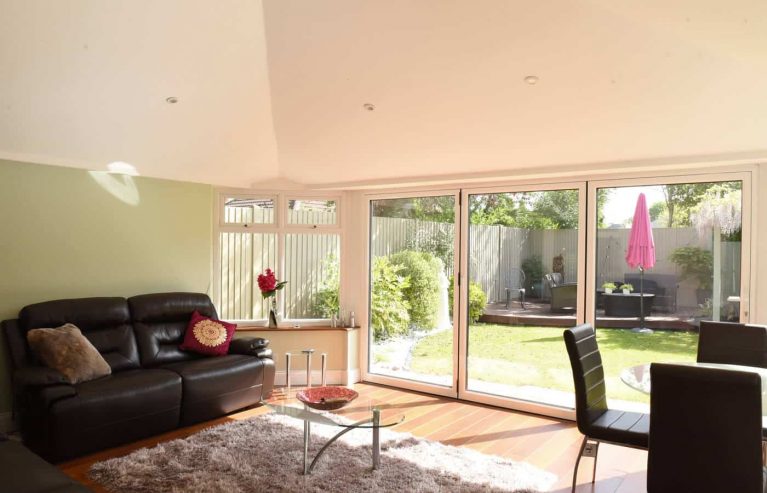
547,443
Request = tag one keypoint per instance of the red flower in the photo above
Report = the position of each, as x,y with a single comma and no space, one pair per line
268,283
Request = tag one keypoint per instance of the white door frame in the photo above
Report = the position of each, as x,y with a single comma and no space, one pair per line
452,390
746,277
586,264
496,400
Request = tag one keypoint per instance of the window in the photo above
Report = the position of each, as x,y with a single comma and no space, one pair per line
312,212
301,245
248,210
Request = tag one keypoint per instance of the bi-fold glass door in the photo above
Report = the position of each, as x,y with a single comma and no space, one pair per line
523,276
528,261
700,271
412,266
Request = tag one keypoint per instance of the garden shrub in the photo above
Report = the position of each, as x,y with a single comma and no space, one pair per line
389,315
423,291
326,301
477,300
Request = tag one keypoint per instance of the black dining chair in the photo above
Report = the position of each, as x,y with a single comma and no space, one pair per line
595,420
706,430
732,343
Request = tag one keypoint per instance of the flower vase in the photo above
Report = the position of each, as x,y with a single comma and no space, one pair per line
272,320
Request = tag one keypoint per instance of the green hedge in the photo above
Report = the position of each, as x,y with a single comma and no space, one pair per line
477,300
389,309
422,292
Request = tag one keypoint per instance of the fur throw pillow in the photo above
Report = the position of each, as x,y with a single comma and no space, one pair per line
67,350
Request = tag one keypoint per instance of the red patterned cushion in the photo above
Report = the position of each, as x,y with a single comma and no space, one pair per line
205,335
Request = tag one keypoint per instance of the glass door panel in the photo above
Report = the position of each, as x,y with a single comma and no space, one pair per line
653,314
523,255
412,261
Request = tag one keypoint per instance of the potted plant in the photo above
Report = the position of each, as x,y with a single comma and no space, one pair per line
608,287
697,264
627,288
533,268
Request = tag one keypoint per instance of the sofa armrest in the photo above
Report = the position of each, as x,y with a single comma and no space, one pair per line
250,345
37,376
265,353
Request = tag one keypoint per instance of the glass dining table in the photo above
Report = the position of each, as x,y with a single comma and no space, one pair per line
638,378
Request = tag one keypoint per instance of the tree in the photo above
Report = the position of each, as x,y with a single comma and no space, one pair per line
438,209
681,198
556,209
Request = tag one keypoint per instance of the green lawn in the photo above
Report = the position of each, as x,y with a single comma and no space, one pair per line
536,355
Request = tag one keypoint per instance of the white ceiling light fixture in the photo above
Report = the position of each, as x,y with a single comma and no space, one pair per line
171,100
531,79
369,106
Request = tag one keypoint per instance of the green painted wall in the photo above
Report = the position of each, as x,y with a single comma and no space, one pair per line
70,233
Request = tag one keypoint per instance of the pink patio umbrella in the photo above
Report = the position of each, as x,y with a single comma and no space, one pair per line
641,250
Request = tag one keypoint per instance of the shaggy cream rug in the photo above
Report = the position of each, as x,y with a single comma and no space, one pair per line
264,454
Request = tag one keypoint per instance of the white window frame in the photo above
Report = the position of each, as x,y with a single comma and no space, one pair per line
280,228
293,196
221,209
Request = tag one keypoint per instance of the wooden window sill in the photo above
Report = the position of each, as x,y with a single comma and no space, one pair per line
309,328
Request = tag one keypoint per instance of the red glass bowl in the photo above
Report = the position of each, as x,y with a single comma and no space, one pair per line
326,398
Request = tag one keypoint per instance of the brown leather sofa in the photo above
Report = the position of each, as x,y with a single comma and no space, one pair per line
154,386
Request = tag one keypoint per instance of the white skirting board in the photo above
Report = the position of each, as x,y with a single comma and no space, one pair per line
6,423
333,377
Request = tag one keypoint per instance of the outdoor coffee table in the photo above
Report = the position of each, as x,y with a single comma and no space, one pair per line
361,413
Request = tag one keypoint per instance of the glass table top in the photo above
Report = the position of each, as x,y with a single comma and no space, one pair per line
638,378
358,413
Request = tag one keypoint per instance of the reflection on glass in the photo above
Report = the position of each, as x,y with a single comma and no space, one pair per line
411,269
311,211
248,211
523,267
697,232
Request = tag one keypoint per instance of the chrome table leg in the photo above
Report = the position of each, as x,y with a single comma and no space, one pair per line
307,435
376,438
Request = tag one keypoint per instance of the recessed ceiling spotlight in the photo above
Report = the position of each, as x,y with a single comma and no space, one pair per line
531,79
171,100
369,107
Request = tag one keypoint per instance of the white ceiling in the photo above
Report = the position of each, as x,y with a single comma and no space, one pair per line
83,83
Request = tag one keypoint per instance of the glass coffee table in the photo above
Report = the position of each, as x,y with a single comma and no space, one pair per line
361,413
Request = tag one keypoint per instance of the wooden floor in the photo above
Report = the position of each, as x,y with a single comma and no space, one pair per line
547,443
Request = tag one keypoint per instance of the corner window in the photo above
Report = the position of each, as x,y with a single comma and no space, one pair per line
298,238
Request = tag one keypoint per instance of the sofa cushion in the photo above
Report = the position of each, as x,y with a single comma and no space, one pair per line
66,350
105,322
116,409
217,386
160,322
207,336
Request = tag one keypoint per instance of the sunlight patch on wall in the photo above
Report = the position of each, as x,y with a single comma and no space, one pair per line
118,181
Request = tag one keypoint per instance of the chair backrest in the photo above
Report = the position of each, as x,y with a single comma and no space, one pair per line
705,430
732,343
588,375
516,278
556,278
